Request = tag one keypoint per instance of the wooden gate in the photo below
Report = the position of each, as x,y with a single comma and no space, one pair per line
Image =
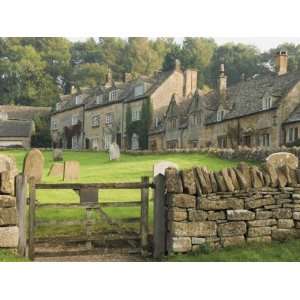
93,242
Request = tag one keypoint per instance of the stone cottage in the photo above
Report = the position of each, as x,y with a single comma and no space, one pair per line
17,124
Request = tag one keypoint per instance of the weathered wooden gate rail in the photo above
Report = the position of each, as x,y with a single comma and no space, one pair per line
144,186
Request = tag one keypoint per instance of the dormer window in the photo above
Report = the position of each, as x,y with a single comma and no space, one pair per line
113,95
139,90
58,106
135,115
220,115
173,123
75,119
99,99
78,99
195,119
54,124
267,102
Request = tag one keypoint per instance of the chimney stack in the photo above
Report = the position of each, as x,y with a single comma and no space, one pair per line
222,81
281,62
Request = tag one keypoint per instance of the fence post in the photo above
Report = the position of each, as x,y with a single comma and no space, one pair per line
159,238
21,193
32,199
144,215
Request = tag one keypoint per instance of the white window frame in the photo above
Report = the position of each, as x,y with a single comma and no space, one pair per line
99,99
58,106
75,120
136,115
220,115
291,134
139,90
113,95
108,118
78,99
267,103
75,142
96,120
54,124
266,140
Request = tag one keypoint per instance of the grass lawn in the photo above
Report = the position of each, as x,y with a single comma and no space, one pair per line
275,252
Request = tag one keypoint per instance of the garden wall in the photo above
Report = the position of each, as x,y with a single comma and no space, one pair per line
9,232
231,207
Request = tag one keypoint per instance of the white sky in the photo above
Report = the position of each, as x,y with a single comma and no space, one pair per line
262,43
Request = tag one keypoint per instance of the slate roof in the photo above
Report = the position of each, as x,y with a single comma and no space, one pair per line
294,116
245,97
18,112
15,128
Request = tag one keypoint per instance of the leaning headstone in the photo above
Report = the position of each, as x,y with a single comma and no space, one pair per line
8,172
33,165
71,170
160,167
58,154
114,151
56,170
280,159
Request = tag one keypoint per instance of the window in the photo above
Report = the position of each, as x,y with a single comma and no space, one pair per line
75,119
78,99
54,124
172,144
139,90
222,141
113,95
96,121
99,99
220,115
107,141
135,115
156,122
172,123
194,144
292,134
195,119
108,119
75,142
266,140
267,103
58,106
94,144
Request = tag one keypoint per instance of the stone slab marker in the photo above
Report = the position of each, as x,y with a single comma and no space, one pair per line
58,154
160,167
71,170
280,159
33,165
56,170
8,171
114,151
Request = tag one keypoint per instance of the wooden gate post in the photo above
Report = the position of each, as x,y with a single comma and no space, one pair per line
21,193
159,239
144,215
32,199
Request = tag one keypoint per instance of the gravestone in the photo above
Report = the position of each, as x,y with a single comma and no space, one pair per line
56,170
33,165
114,151
8,172
58,154
281,159
160,167
71,170
88,195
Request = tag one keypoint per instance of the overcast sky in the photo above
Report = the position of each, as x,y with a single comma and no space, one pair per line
260,42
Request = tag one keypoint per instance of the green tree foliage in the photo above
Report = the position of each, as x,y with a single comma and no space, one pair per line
42,136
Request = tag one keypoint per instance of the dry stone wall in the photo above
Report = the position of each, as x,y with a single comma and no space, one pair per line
9,232
231,207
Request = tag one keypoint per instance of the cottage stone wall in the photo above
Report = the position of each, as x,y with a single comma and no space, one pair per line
9,232
232,207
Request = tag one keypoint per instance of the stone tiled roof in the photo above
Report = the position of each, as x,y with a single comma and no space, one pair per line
245,97
18,112
295,116
15,128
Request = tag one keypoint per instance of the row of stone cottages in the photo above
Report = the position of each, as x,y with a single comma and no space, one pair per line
168,111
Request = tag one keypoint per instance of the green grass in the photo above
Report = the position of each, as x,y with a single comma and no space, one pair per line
276,252
10,256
